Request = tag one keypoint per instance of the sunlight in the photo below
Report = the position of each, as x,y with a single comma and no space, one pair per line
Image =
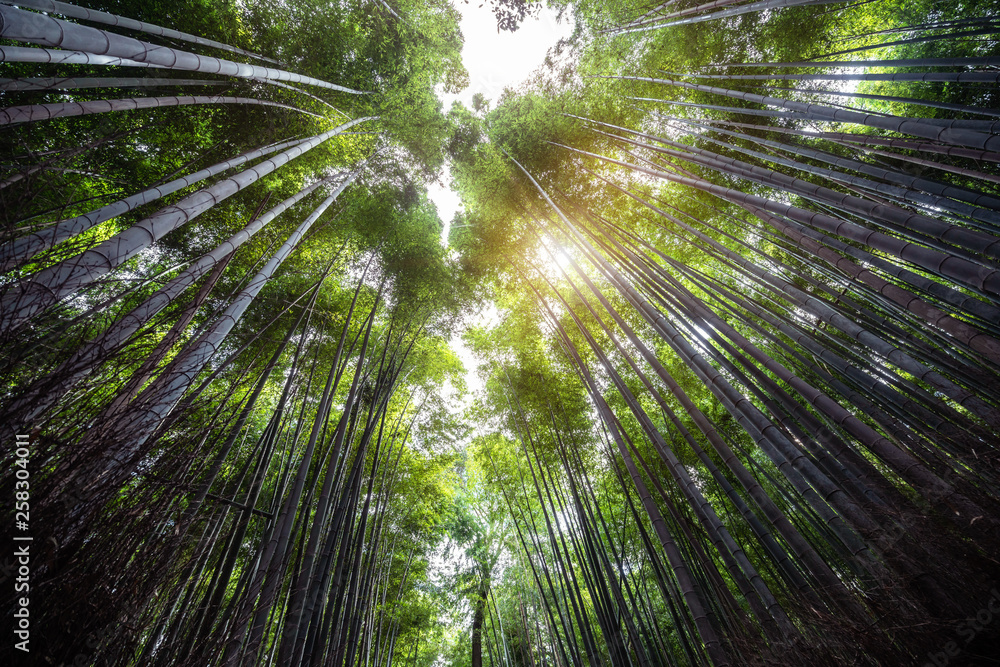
553,259
559,260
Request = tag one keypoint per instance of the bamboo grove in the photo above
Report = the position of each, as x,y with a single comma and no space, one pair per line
221,366
741,397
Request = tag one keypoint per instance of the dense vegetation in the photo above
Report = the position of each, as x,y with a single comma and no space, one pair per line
731,272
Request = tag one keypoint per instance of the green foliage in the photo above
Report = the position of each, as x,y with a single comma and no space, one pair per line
518,511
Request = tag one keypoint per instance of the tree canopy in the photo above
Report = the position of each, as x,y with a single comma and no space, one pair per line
726,278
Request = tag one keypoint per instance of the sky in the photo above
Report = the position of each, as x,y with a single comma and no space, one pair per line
494,62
